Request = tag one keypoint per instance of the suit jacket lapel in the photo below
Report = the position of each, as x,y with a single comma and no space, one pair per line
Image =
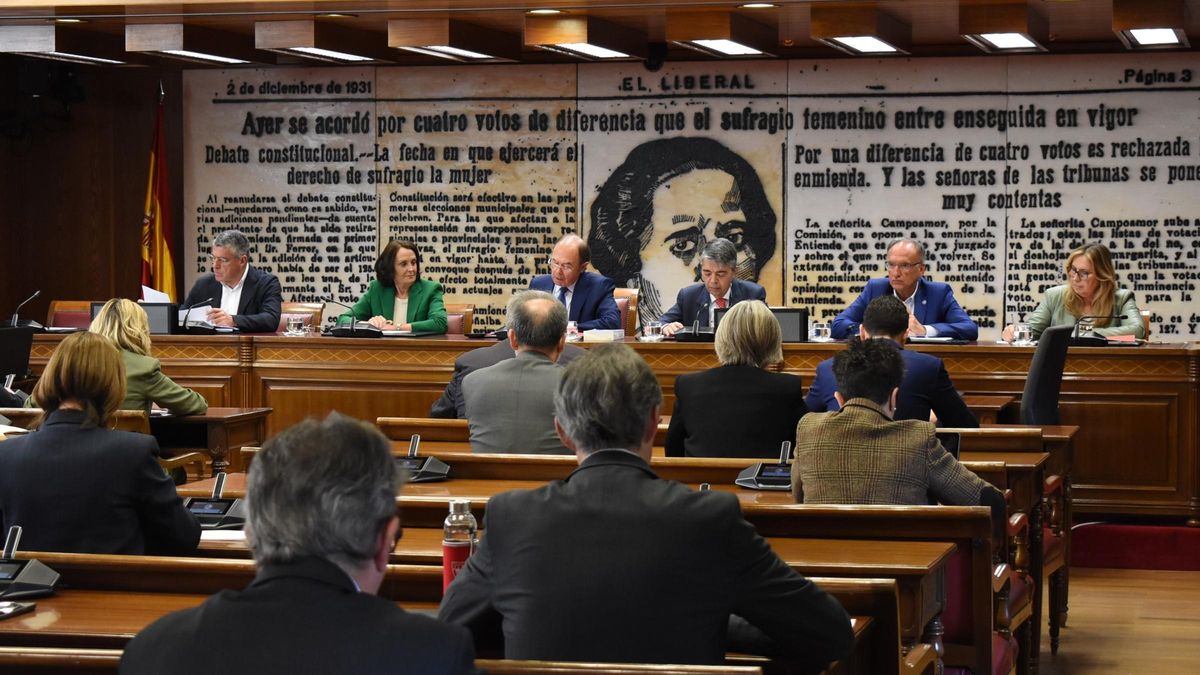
248,288
577,297
920,302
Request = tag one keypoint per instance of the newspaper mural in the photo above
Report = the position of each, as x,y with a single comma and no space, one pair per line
1000,166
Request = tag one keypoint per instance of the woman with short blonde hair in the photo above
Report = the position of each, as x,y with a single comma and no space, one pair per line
124,322
739,409
76,486
749,335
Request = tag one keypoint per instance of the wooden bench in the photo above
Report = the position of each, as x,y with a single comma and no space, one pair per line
451,433
126,420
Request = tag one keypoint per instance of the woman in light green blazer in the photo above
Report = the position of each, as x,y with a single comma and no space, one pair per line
125,323
1091,290
399,289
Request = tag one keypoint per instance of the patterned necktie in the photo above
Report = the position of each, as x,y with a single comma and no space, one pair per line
722,303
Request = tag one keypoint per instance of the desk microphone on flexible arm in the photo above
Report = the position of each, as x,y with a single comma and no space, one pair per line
23,578
1078,340
187,312
353,331
696,333
15,321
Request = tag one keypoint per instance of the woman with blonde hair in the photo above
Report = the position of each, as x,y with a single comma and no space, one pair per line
739,409
76,486
125,323
1091,290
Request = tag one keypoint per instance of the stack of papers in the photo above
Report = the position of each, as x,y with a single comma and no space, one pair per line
603,335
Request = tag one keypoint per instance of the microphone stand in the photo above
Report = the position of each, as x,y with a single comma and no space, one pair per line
372,332
187,309
15,321
1089,340
695,334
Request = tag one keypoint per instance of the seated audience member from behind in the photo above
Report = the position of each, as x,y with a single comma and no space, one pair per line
926,386
862,455
321,502
738,409
933,310
615,564
451,404
588,296
76,486
242,296
125,323
510,406
719,287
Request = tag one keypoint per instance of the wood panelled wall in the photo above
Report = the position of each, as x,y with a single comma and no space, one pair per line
72,189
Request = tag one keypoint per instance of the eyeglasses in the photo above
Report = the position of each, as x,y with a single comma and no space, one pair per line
223,260
1082,275
566,267
903,267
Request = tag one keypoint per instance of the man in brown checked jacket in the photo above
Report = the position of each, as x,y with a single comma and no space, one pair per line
860,455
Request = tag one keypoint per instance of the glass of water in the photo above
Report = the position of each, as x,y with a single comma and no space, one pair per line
1022,334
573,331
1087,328
652,332
295,326
821,332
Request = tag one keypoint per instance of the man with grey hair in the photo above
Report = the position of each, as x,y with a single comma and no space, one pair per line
510,406
321,507
241,296
614,564
718,288
932,309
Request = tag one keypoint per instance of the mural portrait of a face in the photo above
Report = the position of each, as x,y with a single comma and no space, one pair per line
658,209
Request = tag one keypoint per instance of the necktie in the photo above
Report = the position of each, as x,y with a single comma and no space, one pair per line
722,303
562,294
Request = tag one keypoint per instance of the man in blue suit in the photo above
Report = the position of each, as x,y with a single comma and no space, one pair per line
587,295
932,309
926,385
718,289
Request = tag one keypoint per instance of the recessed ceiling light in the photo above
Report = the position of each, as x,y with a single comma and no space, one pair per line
592,50
336,15
1154,36
73,58
866,44
757,5
330,54
728,47
544,12
68,20
201,56
1008,41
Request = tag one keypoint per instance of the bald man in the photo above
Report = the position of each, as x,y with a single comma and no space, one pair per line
588,296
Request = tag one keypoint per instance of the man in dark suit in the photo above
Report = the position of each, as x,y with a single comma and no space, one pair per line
719,288
451,404
588,296
510,406
322,521
926,386
932,309
861,454
614,564
242,296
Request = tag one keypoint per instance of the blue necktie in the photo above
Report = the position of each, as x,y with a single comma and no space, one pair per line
562,295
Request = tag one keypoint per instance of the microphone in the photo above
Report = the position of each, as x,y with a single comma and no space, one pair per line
1089,340
188,308
354,331
17,311
219,485
12,542
696,319
413,444
785,452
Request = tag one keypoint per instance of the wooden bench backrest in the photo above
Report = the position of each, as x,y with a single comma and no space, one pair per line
443,430
126,420
56,661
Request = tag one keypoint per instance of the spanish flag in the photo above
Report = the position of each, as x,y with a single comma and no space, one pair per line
158,238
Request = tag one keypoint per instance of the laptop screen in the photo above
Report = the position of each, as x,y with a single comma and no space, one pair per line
793,322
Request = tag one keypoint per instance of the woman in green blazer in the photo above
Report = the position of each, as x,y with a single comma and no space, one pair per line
125,323
398,289
1091,290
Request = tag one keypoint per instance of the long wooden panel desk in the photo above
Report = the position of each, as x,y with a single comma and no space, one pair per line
1144,399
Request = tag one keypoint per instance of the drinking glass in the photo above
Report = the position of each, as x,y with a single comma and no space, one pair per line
821,332
573,331
1087,328
295,326
1022,334
652,332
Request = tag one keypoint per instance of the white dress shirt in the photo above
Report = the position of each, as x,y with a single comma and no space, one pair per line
231,296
